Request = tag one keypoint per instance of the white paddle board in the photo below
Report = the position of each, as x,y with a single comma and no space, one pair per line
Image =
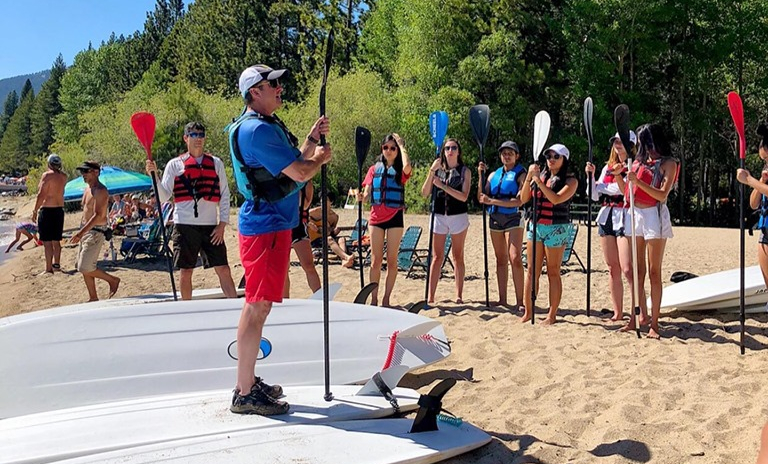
198,294
371,441
173,420
716,291
91,356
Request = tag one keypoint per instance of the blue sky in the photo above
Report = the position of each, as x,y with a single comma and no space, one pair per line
33,33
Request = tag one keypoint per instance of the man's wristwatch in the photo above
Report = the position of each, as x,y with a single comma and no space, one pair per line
312,139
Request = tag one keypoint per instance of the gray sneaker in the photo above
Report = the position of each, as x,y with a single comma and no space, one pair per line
257,402
275,391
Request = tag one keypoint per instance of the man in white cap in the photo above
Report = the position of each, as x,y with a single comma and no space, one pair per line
49,212
270,168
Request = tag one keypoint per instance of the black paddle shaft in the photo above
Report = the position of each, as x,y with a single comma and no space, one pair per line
166,250
362,144
480,121
323,195
588,128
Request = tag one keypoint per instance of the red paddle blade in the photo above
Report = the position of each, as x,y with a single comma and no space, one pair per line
143,124
737,113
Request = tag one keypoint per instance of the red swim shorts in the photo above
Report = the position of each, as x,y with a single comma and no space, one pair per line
265,259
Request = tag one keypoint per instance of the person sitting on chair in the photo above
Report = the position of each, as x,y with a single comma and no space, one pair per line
336,245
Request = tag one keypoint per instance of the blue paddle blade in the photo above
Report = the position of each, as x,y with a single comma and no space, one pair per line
438,127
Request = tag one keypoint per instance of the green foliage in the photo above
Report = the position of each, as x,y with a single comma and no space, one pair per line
414,202
14,148
45,108
9,107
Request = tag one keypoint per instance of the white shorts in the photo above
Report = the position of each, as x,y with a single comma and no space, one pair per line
453,225
650,226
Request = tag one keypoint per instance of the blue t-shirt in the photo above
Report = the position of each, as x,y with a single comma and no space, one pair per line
263,144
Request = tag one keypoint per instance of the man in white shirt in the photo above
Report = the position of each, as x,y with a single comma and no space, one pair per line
198,183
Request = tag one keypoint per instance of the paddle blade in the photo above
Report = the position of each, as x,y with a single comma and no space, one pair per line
588,109
438,127
362,144
541,125
480,120
737,114
143,124
621,121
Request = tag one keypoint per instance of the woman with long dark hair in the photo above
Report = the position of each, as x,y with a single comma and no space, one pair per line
452,179
385,188
555,188
652,176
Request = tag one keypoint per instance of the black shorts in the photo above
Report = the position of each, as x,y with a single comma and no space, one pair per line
50,223
395,222
607,230
299,233
763,238
502,222
188,243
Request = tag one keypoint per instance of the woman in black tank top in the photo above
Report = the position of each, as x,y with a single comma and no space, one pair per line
452,179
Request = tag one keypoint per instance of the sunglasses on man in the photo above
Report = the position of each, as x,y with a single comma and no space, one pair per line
196,135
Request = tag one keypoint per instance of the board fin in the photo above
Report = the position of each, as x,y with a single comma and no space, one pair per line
391,377
365,292
430,406
333,289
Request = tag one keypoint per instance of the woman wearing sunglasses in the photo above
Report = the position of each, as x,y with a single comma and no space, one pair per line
452,179
385,188
653,174
613,219
501,194
555,187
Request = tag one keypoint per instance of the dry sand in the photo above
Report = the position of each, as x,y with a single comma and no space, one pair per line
576,392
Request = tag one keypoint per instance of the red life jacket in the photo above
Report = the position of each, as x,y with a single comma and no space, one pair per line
612,200
651,174
197,181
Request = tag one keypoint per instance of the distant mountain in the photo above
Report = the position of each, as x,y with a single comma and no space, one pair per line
16,83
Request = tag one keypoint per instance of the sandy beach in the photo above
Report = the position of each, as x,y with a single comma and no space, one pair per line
576,392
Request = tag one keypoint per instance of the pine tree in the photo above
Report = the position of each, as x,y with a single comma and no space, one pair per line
45,108
9,107
14,148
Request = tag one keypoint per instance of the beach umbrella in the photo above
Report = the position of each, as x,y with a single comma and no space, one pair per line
115,179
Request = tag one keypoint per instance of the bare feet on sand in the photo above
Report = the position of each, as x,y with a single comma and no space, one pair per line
526,318
617,317
654,334
548,321
349,263
113,288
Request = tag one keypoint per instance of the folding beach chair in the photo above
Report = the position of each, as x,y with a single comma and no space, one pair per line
420,261
408,247
152,246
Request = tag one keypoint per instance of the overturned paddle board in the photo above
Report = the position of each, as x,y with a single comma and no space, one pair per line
718,291
178,421
90,356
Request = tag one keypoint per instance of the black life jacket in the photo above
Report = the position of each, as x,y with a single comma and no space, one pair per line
548,213
445,203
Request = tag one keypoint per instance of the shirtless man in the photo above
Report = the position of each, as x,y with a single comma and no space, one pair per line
91,235
50,220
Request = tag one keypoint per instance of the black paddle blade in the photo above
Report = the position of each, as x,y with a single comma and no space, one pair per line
621,120
326,69
480,120
362,296
362,144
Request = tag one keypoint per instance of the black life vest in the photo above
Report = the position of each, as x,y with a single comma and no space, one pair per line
444,203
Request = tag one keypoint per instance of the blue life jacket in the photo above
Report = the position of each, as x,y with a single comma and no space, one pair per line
385,189
504,187
258,184
762,221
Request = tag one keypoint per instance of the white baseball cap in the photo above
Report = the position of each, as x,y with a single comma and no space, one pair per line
632,137
560,149
255,74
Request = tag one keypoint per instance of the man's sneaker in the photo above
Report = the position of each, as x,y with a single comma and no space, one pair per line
257,402
275,391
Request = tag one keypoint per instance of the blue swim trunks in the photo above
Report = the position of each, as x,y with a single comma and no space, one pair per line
552,235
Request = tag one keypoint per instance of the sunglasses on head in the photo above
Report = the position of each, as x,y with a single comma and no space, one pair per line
554,156
196,135
388,148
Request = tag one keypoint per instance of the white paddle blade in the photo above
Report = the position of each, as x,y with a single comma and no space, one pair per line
540,133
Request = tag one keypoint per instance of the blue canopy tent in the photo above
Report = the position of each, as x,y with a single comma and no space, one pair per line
115,179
